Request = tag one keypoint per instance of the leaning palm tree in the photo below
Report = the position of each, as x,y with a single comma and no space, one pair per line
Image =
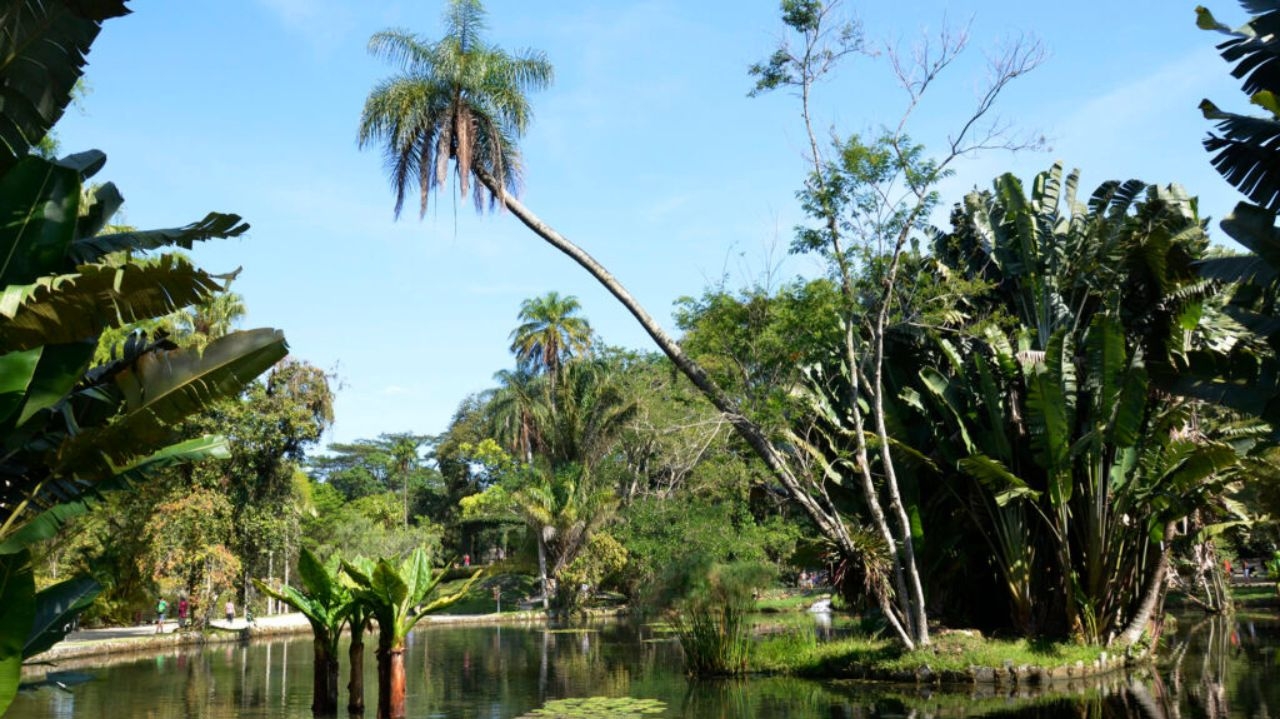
461,100
550,333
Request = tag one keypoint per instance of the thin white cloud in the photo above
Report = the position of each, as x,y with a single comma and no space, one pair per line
321,22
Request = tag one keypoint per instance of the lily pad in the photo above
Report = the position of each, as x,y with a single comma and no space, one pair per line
597,708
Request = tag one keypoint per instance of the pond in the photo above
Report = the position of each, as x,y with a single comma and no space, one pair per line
1216,669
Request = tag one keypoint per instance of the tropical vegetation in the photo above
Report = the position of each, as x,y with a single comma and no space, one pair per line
74,429
1032,421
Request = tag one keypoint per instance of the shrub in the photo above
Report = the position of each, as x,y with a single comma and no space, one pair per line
710,607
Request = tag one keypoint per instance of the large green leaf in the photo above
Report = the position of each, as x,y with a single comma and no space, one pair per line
71,308
16,372
318,613
940,388
416,571
319,582
1104,346
173,383
214,225
42,54
996,436
1253,227
449,600
388,585
1129,413
1004,485
61,367
56,607
39,203
1246,157
164,387
17,612
101,206
1049,416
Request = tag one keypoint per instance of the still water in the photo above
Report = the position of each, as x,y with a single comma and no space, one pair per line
1215,669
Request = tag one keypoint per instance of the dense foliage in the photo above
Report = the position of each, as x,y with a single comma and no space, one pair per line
1032,422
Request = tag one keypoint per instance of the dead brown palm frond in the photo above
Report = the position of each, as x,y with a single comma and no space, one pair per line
444,148
1030,357
867,574
463,129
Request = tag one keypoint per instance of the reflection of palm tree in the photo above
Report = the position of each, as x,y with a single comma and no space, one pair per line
549,333
458,99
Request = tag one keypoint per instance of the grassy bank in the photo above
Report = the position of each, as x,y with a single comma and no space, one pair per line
954,657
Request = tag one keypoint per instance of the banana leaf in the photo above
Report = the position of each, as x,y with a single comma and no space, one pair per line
44,44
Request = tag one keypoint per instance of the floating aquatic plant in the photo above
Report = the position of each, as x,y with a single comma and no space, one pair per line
597,708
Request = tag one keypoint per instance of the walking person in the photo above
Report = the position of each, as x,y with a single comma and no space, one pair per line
162,607
184,610
231,610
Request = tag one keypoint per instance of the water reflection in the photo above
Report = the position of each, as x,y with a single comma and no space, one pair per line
1215,668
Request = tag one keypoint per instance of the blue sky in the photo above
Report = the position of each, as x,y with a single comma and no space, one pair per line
646,151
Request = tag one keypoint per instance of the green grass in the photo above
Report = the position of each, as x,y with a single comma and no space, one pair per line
479,600
800,654
788,600
1260,593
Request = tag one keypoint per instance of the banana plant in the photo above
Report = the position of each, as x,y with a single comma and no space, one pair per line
1247,378
358,616
326,603
396,595
71,430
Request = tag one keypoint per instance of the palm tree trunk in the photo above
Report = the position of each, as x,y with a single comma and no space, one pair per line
324,701
391,682
826,518
355,684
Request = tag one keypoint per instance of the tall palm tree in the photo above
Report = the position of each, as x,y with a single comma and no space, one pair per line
564,439
462,100
511,412
459,99
550,332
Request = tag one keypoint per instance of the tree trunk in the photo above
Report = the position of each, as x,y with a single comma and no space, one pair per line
391,683
915,588
1152,591
355,684
324,701
542,571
